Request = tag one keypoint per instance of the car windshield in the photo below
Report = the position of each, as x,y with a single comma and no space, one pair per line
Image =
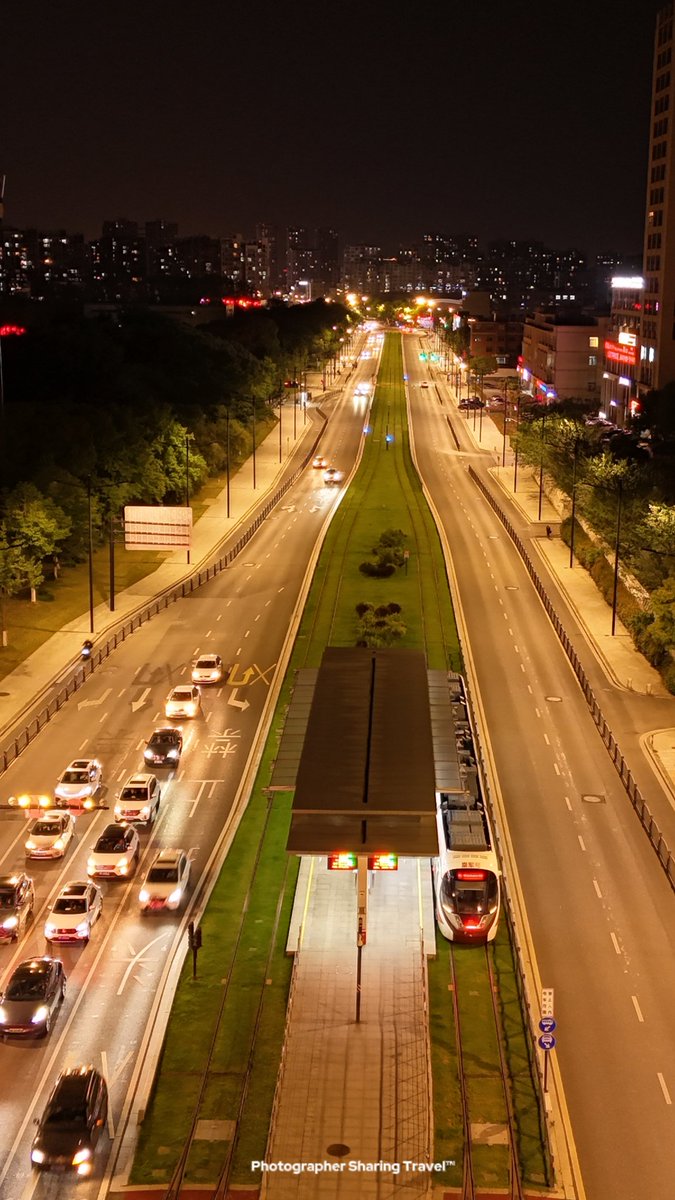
47,829
27,987
134,793
65,1114
74,777
111,845
163,875
206,662
70,904
163,739
7,897
181,694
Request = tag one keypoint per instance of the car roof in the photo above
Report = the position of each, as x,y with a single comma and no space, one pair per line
13,879
167,857
182,687
140,780
114,827
165,731
77,888
33,966
73,1083
52,818
79,764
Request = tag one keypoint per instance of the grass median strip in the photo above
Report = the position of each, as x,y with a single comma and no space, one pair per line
243,939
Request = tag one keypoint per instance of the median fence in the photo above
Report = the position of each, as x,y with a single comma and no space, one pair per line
46,705
638,801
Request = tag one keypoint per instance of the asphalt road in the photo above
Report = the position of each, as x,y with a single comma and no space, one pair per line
599,908
244,614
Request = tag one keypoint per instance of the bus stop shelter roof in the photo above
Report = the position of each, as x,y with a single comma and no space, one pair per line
365,777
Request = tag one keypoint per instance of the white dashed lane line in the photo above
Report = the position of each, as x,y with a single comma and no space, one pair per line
596,885
581,842
664,1089
638,1011
615,943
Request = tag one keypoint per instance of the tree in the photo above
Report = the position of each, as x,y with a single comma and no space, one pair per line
482,365
34,523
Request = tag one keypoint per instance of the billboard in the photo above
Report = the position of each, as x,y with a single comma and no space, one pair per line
157,527
615,352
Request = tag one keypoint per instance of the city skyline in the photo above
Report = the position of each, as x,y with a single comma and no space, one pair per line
493,123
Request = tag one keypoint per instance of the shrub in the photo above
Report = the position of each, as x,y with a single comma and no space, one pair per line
381,570
668,675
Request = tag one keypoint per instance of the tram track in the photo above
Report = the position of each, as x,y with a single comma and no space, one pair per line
487,987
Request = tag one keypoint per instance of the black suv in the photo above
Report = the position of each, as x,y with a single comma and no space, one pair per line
72,1122
164,748
17,901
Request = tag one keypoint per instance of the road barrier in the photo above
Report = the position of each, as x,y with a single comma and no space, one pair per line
76,674
635,796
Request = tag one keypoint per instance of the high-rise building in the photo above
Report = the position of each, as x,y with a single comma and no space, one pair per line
657,349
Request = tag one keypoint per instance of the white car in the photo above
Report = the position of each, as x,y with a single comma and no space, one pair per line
208,669
76,909
183,701
139,799
320,462
332,475
116,852
166,882
50,835
79,783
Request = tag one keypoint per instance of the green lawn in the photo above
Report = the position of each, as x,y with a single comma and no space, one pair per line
385,493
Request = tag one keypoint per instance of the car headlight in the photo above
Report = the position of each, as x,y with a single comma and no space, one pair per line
82,928
143,896
91,866
30,844
40,1015
50,929
81,1155
122,866
37,1156
173,753
3,1016
118,812
175,896
10,923
59,844
145,812
147,753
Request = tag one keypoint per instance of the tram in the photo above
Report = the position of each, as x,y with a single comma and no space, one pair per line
467,886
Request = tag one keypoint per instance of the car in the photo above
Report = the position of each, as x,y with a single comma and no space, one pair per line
75,911
166,881
183,701
207,669
424,384
77,786
31,997
495,402
139,799
164,747
472,402
71,1124
332,475
116,853
50,835
17,901
319,463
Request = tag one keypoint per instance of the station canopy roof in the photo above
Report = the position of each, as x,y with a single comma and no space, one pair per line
358,749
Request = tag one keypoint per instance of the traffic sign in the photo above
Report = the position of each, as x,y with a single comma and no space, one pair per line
547,1002
547,1041
547,1024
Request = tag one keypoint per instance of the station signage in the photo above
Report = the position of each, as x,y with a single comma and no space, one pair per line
383,862
615,352
344,861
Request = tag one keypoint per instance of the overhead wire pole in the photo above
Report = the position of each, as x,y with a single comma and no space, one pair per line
616,554
91,557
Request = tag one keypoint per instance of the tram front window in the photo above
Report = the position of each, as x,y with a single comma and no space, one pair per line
469,892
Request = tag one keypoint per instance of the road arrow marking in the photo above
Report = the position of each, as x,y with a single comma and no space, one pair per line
136,704
95,703
237,703
246,677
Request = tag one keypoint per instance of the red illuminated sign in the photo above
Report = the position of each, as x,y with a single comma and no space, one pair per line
383,862
342,862
11,330
620,354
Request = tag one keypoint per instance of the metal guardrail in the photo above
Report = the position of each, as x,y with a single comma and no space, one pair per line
77,675
646,818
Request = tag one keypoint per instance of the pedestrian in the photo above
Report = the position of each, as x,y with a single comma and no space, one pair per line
549,531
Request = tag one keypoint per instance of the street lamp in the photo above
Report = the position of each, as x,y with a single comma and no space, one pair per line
91,557
541,465
227,463
574,497
188,436
616,552
515,453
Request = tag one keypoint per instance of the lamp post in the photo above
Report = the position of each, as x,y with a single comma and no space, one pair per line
506,417
515,453
227,462
616,552
574,498
541,465
253,411
91,557
281,403
188,435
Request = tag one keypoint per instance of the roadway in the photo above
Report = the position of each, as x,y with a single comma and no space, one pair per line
599,908
246,614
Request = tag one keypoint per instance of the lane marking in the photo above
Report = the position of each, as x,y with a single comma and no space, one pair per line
637,1008
567,801
664,1089
581,842
104,1064
615,943
556,768
596,885
546,739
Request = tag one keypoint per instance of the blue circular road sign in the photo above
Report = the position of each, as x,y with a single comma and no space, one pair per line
547,1041
547,1024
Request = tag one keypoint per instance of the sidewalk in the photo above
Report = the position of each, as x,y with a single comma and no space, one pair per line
59,652
622,662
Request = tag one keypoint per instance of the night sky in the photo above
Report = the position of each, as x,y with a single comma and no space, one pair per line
501,119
